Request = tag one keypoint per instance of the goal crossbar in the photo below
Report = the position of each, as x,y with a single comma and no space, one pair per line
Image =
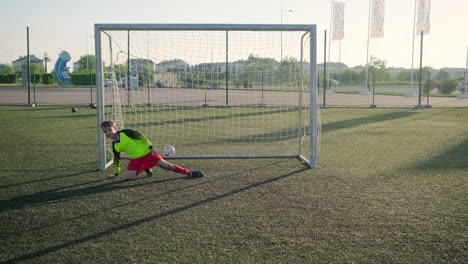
211,27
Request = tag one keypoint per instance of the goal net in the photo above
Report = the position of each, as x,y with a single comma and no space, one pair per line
211,91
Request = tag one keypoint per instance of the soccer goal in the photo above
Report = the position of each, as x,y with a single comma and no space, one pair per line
213,91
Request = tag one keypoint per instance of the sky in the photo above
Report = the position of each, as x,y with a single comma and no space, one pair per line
56,25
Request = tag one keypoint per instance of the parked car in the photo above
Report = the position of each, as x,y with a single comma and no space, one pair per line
107,82
333,82
122,82
133,83
461,87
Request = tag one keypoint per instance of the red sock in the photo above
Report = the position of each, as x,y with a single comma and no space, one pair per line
181,170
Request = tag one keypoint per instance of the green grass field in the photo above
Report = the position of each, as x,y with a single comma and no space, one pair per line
391,187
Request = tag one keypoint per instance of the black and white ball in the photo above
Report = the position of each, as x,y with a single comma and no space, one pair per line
169,151
74,109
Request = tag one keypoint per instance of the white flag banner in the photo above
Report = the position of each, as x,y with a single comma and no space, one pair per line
424,11
338,20
377,18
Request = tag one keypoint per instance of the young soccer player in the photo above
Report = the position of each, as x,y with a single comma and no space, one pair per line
141,152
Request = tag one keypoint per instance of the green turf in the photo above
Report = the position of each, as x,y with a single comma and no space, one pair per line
391,187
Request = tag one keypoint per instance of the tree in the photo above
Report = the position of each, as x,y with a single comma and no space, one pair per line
255,67
6,68
87,62
34,68
404,75
442,75
120,70
290,71
379,68
347,76
429,85
448,86
46,60
426,73
147,71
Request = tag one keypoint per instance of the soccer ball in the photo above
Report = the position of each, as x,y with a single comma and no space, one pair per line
168,151
74,109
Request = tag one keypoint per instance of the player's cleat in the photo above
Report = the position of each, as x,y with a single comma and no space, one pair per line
149,172
196,174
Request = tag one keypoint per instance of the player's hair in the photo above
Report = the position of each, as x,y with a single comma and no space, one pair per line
108,124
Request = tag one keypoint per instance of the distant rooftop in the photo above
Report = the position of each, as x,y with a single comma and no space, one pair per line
32,58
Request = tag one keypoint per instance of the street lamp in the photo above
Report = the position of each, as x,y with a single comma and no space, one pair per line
282,12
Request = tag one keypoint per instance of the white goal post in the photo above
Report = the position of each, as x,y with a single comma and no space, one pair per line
213,91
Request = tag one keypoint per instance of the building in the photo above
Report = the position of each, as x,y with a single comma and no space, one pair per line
333,66
175,65
136,66
76,66
236,69
18,64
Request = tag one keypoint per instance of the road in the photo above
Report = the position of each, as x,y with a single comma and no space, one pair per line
80,96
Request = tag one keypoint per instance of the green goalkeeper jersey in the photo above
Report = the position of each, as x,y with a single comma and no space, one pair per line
132,142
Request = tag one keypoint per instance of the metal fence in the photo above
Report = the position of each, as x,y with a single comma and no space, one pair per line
83,96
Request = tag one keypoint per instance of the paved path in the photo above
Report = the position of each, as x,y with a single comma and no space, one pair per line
82,96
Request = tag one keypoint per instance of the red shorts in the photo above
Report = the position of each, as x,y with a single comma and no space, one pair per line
145,162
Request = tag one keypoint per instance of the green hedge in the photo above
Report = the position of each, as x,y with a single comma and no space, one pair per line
36,78
47,78
83,78
8,78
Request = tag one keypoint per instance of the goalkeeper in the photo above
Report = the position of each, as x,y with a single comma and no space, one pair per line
141,152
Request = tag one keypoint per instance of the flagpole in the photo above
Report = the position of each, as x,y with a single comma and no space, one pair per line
420,73
367,92
329,47
466,69
412,93
339,67
465,95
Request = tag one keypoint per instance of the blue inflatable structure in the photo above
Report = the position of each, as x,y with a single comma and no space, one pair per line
62,75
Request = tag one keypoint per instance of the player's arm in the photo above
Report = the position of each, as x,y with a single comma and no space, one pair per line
116,160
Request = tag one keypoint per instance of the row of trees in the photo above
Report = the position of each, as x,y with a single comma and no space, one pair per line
258,68
85,74
37,74
256,71
7,74
34,67
287,72
378,74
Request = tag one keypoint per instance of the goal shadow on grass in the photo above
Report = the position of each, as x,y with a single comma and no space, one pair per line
55,170
132,202
133,224
275,136
455,157
218,117
365,120
57,195
292,133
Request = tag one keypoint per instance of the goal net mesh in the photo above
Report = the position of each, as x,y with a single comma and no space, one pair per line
210,93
